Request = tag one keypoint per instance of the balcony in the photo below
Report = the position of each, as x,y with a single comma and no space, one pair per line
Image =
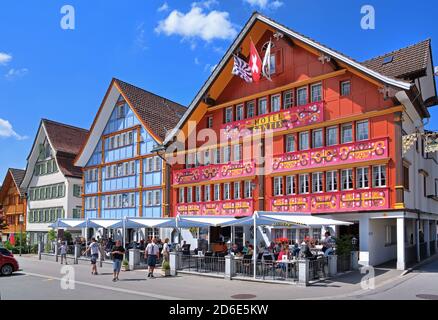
214,173
293,117
341,201
244,207
350,153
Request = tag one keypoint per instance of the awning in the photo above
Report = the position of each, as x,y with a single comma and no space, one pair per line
68,223
104,223
150,223
204,221
302,219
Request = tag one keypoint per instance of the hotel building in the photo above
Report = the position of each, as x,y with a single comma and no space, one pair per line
122,176
334,147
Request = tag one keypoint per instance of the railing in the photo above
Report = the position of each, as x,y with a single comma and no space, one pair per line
318,268
202,264
267,269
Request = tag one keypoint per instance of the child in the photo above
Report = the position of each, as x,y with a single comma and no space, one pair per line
63,250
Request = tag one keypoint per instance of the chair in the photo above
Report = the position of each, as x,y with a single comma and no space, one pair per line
246,263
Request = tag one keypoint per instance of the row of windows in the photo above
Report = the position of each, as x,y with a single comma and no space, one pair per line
315,138
13,200
214,156
120,170
45,167
306,183
226,191
120,140
45,151
53,191
284,100
46,215
121,200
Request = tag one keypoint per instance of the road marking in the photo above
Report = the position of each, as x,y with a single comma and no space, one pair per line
145,294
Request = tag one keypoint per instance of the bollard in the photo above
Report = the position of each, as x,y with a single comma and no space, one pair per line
354,260
100,259
230,267
332,265
56,251
40,249
133,258
303,272
173,261
77,254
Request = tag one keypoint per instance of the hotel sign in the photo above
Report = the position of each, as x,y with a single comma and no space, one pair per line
214,172
283,120
231,207
328,156
346,201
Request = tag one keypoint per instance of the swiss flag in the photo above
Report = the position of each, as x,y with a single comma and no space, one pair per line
255,63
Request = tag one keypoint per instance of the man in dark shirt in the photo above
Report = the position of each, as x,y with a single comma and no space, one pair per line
118,252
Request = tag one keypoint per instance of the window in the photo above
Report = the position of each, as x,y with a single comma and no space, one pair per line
150,164
317,186
250,109
189,194
263,106
331,136
76,191
302,96
217,156
181,195
239,112
362,181
290,143
275,103
331,181
273,65
290,185
288,99
157,197
157,164
406,177
379,176
207,193
316,92
237,152
347,179
132,168
217,192
362,130
390,235
304,183
121,111
278,186
237,190
227,154
345,88
227,194
229,114
317,138
197,194
248,189
347,133
304,140
210,122
149,198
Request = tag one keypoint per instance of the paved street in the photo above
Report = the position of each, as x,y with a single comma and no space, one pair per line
42,280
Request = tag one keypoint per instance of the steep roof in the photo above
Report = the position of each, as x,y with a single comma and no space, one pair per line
67,141
403,63
158,113
18,176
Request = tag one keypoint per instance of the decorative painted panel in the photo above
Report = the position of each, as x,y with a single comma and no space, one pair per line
226,207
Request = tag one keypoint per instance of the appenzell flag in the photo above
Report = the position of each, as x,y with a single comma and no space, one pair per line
255,63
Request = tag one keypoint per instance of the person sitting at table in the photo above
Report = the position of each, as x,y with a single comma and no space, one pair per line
250,250
185,248
305,250
283,253
234,250
246,247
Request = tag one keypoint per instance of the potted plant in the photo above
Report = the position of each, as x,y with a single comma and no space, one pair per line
125,265
165,268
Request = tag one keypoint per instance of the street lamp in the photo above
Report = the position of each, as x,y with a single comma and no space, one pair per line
21,220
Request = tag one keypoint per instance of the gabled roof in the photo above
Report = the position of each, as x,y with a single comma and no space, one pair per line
158,113
384,79
65,138
18,176
405,63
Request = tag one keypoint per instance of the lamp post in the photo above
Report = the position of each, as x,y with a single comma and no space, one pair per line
21,220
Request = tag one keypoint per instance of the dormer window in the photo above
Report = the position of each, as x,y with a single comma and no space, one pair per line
388,59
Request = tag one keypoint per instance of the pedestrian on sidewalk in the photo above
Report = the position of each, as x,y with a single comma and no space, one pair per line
166,249
118,253
94,250
63,251
152,253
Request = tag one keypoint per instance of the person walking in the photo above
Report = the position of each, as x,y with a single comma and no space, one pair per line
94,250
152,253
166,249
117,252
63,251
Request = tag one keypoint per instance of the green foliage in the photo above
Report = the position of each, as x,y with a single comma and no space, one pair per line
52,235
8,245
125,263
343,245
67,236
165,265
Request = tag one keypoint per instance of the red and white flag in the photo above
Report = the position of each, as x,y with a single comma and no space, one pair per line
255,63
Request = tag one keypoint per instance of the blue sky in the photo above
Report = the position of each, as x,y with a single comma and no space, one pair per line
48,72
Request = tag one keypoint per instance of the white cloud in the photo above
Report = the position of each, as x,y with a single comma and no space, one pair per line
5,58
164,7
6,131
197,24
197,62
263,4
16,73
209,67
206,4
140,38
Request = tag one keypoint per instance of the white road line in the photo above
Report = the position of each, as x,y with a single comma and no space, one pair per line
145,294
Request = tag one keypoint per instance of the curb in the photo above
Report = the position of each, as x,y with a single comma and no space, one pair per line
420,264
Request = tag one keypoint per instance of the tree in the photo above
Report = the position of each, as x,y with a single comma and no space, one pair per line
51,235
